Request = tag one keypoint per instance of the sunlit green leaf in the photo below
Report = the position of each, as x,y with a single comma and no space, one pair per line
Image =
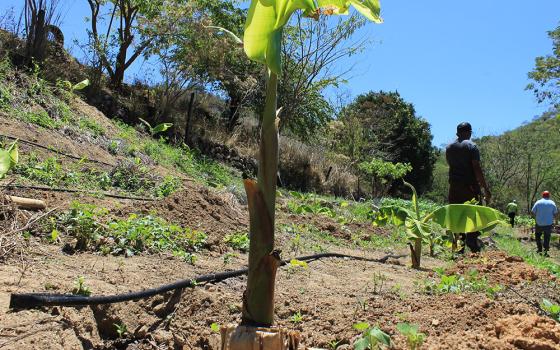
361,344
5,163
161,128
81,85
381,336
459,218
361,326
267,18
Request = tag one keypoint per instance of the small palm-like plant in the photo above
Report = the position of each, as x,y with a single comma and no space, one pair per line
456,218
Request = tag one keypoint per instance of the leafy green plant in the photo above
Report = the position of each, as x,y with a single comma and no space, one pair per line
215,327
156,129
238,240
378,280
553,310
383,174
80,288
8,158
414,339
297,317
121,329
456,218
471,282
372,338
83,222
169,185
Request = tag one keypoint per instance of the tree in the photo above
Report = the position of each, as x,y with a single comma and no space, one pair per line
310,50
382,125
383,174
546,74
134,26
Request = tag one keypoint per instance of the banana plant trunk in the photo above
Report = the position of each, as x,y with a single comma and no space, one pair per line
416,253
258,299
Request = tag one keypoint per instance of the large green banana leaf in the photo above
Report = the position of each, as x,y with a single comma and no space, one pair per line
392,214
266,19
8,159
459,218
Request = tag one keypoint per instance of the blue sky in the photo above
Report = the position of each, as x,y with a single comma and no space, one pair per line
454,60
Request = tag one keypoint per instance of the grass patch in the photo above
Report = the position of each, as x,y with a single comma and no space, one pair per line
514,247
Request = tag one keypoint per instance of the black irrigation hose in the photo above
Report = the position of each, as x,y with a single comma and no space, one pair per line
72,190
56,151
33,300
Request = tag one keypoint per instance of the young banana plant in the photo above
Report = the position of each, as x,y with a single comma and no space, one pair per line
456,218
262,41
8,158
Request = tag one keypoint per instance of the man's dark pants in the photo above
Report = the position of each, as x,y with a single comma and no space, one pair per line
460,193
546,230
511,218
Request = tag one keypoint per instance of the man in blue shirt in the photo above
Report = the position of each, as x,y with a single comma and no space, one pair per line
545,212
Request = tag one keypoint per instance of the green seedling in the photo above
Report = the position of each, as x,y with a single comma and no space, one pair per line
215,327
378,281
80,288
121,329
239,241
414,339
372,338
297,317
553,310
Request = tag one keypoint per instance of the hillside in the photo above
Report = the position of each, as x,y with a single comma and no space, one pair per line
186,216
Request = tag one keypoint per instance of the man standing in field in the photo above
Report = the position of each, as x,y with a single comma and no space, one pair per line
511,210
544,212
465,177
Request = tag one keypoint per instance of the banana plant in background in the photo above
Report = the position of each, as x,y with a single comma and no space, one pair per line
456,218
262,42
156,129
8,158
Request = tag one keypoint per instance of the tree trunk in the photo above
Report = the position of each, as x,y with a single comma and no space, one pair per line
258,299
188,126
416,253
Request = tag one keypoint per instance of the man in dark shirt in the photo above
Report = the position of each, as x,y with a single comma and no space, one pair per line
465,177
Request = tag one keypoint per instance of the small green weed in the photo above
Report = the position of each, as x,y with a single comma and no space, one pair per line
121,329
215,327
472,282
40,118
372,338
297,317
239,241
552,310
80,288
414,339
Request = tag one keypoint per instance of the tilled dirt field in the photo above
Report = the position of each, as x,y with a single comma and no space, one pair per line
330,295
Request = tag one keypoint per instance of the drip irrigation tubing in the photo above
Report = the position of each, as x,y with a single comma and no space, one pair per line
50,149
33,300
72,190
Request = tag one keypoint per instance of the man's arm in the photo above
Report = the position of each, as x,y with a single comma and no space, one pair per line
480,178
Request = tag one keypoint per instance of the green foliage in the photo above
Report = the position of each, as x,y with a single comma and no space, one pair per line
8,158
455,218
472,282
148,233
384,126
383,174
297,317
41,118
83,221
215,327
121,329
414,339
545,75
553,310
239,240
524,221
156,129
80,288
372,337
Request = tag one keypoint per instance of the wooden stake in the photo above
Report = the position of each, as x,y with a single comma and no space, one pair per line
27,203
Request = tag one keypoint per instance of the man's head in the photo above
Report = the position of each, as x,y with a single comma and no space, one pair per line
546,194
464,131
